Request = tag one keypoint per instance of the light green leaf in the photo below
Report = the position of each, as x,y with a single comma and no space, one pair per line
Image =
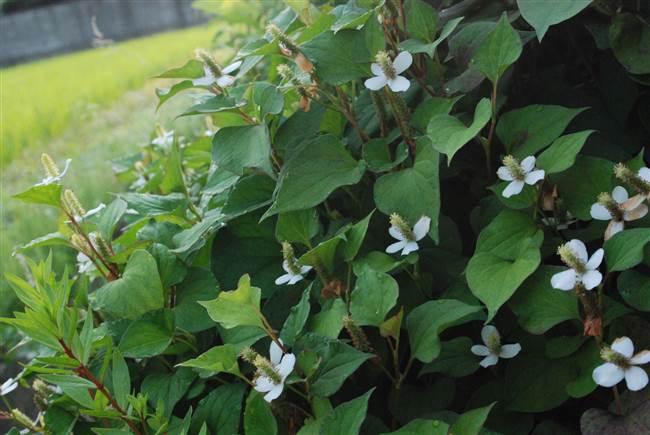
268,98
455,359
421,426
219,103
147,204
426,322
167,388
219,359
258,417
429,108
241,147
538,306
471,422
329,321
297,226
377,154
347,417
220,410
375,293
48,194
296,320
74,387
634,287
349,16
448,134
416,46
349,61
138,290
149,335
198,285
312,173
193,69
239,307
422,20
354,238
530,129
498,51
561,155
413,192
373,33
542,14
625,249
323,254
250,193
110,216
121,378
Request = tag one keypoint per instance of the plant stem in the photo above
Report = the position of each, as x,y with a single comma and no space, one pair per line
617,399
348,112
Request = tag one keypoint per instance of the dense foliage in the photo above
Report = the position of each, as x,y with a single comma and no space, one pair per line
403,217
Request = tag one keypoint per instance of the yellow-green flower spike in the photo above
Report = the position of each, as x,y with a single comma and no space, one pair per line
72,203
628,176
359,338
569,258
209,61
514,167
51,170
386,64
290,258
266,368
606,200
402,226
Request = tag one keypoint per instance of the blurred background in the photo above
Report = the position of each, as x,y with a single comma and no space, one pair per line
77,81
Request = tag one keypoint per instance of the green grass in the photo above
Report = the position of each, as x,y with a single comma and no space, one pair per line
40,99
92,107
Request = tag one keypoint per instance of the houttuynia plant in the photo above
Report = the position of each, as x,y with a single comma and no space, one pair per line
405,217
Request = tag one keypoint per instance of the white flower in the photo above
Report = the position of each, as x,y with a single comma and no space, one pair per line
292,276
618,208
222,81
167,139
493,349
55,179
8,386
519,174
84,263
621,363
582,269
283,365
644,173
407,238
387,73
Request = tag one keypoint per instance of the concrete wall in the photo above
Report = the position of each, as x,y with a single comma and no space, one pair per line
68,26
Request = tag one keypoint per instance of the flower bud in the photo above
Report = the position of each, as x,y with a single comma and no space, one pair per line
359,338
51,170
402,226
569,258
72,203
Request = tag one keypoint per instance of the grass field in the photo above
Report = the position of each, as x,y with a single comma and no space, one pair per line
91,106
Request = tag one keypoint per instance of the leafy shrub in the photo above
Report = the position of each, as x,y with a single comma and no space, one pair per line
402,220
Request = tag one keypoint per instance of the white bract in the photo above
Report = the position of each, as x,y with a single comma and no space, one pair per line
293,275
407,239
90,212
493,349
8,386
390,74
55,179
519,174
582,268
84,263
621,363
283,364
618,208
224,80
167,139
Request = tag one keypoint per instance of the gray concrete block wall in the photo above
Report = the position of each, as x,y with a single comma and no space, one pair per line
66,27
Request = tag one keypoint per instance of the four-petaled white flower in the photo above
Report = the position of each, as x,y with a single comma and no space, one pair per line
493,349
222,81
621,363
618,208
167,139
519,174
293,275
283,365
55,179
407,239
582,268
388,73
8,386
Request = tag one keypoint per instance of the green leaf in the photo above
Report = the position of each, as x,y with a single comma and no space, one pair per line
167,387
373,34
121,379
338,361
239,307
110,216
471,422
312,173
219,103
422,20
448,134
150,205
375,293
580,186
455,359
238,148
193,69
48,194
630,38
149,335
329,321
347,417
413,192
416,46
349,16
350,60
138,291
172,269
258,417
530,129
251,192
429,108
354,238
220,410
377,154
426,322
296,320
507,252
421,426
219,359
73,386
297,226
542,14
538,306
498,51
634,287
172,179
164,94
561,155
323,254
198,285
268,98
625,249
